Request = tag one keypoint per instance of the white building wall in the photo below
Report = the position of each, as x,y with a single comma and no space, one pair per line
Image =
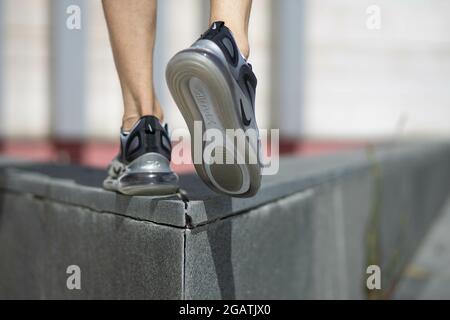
362,82
26,62
358,82
260,36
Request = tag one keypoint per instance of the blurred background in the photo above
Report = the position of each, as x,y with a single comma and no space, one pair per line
330,76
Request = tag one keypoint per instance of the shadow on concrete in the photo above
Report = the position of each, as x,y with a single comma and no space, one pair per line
219,238
195,189
219,233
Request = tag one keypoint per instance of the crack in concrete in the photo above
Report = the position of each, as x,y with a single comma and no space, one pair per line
307,193
44,199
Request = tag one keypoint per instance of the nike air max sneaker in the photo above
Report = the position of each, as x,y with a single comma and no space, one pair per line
143,164
214,85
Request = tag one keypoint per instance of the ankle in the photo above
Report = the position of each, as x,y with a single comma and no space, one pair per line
129,119
243,47
240,36
241,39
157,110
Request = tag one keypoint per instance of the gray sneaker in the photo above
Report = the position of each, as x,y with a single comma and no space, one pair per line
211,82
143,164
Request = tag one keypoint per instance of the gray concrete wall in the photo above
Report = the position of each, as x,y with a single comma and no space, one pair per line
310,233
119,258
362,81
255,255
306,246
412,190
428,275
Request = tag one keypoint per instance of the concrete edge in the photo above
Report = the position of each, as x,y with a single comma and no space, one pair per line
166,211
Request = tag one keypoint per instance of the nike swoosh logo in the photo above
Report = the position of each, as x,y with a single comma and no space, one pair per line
244,117
117,171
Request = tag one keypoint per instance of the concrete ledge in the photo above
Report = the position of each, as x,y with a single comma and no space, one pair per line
310,232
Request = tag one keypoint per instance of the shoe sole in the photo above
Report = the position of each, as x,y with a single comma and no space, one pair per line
203,89
138,190
141,179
